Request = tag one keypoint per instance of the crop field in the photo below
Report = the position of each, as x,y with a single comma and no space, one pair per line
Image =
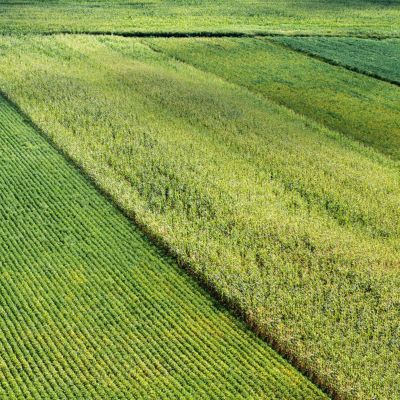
377,58
91,310
294,225
358,106
200,199
372,18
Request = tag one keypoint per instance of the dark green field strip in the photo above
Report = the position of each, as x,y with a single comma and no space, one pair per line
90,309
376,58
358,106
339,17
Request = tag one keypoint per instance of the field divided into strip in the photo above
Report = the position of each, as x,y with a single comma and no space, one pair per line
295,224
90,309
358,106
376,58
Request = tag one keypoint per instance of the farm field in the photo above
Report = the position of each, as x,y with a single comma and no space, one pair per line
91,310
371,18
360,107
293,224
377,58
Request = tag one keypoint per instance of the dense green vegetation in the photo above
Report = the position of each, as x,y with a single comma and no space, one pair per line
294,224
358,106
91,310
377,58
338,17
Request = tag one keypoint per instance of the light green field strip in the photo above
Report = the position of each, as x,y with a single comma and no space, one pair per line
358,106
295,225
91,310
338,17
377,58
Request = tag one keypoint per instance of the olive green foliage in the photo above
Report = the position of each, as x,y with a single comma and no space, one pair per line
294,224
332,17
361,107
91,310
377,58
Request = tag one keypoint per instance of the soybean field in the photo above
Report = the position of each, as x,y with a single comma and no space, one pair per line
91,310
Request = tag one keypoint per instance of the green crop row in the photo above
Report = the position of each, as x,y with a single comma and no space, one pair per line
294,224
91,310
330,17
355,105
377,58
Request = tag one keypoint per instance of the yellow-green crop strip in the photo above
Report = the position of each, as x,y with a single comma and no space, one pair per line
91,310
295,225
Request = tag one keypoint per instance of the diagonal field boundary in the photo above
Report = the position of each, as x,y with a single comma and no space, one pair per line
91,309
334,63
210,34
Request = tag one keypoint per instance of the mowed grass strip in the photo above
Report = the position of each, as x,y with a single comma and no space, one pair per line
377,58
293,224
358,106
91,310
339,17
